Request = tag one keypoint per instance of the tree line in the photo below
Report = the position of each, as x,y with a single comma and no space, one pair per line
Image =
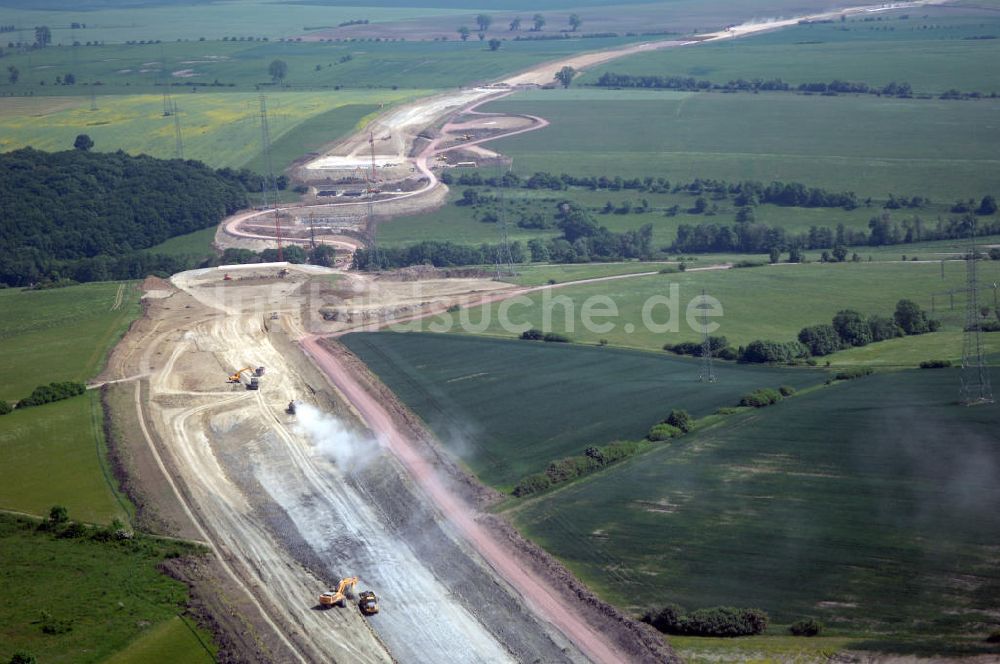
583,240
743,194
901,90
847,329
91,214
883,230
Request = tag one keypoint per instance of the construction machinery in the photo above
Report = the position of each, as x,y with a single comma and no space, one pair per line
292,407
368,603
344,591
236,377
259,371
254,383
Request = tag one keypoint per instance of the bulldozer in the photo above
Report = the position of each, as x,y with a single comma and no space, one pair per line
368,603
344,591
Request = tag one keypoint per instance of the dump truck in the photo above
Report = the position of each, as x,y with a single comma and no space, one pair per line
292,407
254,383
259,371
368,603
345,589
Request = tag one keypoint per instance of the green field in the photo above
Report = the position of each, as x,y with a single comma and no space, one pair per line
768,302
935,58
197,244
855,504
461,224
242,66
60,334
219,129
873,146
111,595
169,22
466,388
56,455
171,641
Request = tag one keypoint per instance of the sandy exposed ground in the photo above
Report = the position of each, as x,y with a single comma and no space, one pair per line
292,503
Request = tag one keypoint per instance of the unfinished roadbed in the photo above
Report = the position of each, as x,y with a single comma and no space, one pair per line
290,504
601,631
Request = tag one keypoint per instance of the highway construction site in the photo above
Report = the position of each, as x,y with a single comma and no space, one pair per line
303,471
313,473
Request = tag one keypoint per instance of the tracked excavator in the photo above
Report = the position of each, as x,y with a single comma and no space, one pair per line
345,590
254,383
235,378
367,602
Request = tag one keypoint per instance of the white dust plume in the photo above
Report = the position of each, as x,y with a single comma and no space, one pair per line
348,450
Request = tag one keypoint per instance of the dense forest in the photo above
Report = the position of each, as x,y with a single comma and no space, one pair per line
86,215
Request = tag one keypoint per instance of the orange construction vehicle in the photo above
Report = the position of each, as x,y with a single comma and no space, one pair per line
345,590
235,378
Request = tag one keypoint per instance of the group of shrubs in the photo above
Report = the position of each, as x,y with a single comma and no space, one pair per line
563,470
766,396
848,329
724,621
677,423
715,621
538,335
52,392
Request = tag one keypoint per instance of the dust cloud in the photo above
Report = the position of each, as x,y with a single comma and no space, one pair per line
330,438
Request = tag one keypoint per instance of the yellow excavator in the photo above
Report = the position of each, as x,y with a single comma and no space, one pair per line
344,589
235,378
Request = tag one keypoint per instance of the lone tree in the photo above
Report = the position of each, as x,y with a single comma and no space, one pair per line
58,515
43,36
515,25
575,21
484,21
83,143
539,22
13,73
278,69
565,76
464,33
495,44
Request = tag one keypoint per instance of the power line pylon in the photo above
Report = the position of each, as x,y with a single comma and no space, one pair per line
178,137
975,378
270,186
707,367
504,263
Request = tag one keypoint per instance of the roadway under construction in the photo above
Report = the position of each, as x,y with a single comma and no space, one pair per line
291,503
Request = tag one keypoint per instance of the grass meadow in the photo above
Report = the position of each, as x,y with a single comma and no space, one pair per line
168,22
767,302
466,388
110,595
218,129
56,455
461,224
931,49
60,334
242,66
852,504
870,145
